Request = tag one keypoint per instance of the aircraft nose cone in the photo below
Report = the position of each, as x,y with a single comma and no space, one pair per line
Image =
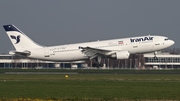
172,42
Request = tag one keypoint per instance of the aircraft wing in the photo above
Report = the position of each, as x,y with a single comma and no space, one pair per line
94,52
24,53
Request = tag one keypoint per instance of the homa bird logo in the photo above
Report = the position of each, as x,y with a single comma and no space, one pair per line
141,39
17,38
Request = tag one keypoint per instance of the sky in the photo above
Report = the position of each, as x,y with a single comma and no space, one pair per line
55,22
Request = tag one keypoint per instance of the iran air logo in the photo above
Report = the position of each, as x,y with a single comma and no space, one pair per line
17,38
141,39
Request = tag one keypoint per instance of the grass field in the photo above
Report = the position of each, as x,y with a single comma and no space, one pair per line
90,87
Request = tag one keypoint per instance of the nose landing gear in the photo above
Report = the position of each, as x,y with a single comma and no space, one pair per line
155,57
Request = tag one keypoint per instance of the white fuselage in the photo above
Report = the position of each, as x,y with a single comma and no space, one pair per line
115,48
72,52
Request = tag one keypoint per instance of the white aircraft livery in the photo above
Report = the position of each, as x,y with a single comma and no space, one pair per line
115,48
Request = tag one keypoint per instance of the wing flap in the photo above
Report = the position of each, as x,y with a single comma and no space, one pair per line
94,52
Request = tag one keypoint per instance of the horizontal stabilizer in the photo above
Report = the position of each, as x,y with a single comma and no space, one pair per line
24,53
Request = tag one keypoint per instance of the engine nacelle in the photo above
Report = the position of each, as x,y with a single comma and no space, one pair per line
121,55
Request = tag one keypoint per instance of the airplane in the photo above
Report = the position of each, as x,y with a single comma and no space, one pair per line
115,48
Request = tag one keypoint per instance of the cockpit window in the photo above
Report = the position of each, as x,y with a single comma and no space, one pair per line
166,39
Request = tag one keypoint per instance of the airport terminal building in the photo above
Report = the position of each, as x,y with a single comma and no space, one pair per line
9,61
164,61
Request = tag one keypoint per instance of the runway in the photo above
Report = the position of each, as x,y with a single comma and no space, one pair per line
40,73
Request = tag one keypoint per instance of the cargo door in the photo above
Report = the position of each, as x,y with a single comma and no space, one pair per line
46,52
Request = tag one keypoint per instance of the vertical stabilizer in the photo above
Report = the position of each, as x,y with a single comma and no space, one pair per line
19,40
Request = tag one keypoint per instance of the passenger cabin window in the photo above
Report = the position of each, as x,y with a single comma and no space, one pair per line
166,39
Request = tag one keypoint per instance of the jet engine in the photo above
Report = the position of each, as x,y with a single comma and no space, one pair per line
121,55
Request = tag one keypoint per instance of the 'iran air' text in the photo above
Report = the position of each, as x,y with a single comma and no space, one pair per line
141,39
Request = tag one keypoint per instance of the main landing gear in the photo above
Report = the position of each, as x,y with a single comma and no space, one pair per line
98,62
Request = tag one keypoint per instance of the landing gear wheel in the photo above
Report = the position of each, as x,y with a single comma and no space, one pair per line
155,58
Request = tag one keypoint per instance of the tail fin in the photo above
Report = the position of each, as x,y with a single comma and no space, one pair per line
19,39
